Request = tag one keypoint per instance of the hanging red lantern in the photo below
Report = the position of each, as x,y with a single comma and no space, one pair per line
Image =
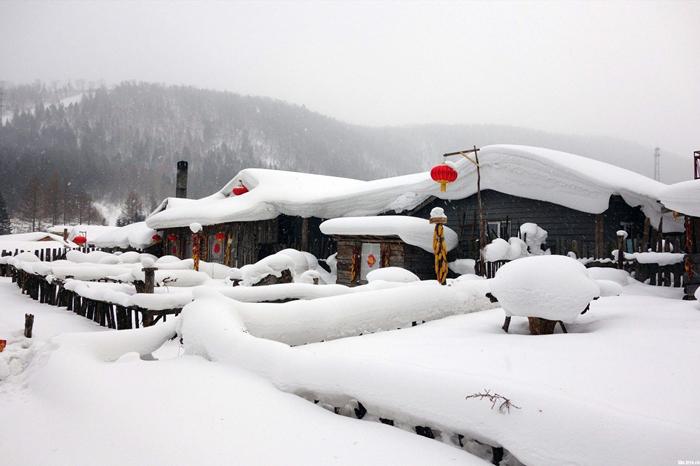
220,236
443,174
156,238
172,237
80,240
217,248
238,190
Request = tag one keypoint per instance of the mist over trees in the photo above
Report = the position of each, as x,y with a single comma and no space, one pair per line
63,146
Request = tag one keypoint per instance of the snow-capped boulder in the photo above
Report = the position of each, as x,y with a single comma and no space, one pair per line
549,287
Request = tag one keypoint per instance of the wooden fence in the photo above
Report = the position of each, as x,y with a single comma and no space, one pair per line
658,275
106,314
46,254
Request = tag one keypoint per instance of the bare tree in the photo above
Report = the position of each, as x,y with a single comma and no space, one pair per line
30,205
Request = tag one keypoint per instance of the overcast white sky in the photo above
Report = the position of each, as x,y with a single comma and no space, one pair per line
625,69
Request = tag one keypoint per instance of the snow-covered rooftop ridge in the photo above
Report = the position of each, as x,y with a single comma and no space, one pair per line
136,235
412,230
683,197
35,236
536,173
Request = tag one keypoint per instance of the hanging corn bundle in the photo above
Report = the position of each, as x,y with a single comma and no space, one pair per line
355,265
196,228
438,218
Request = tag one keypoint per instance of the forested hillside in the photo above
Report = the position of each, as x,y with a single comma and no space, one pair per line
75,145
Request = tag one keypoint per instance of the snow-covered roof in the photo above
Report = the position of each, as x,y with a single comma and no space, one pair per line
683,197
35,236
89,231
566,179
412,230
136,235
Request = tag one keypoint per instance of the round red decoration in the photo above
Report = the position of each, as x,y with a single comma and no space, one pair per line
371,260
156,238
172,237
219,236
238,190
80,240
443,174
217,248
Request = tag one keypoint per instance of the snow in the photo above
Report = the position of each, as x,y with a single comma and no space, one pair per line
621,233
621,277
136,235
392,274
297,262
530,172
195,227
462,266
502,250
534,236
176,409
412,230
585,398
549,287
682,197
571,389
354,313
661,258
89,231
34,241
438,212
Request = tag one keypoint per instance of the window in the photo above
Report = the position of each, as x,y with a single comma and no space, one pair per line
493,230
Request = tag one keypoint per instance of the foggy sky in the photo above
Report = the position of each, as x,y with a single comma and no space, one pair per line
629,70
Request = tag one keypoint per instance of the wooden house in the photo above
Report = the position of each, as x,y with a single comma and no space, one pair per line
365,244
684,199
581,202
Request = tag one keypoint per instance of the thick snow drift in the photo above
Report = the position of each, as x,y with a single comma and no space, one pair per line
137,236
550,287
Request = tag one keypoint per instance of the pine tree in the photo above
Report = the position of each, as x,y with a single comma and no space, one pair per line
5,226
132,210
30,207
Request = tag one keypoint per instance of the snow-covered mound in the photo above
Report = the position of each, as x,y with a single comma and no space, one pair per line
297,262
621,277
412,230
392,274
549,287
502,250
462,266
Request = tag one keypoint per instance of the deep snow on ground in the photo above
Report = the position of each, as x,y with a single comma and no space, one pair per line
620,389
68,408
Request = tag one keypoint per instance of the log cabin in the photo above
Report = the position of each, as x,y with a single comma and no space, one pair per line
581,202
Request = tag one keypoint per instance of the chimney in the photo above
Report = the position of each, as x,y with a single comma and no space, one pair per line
181,182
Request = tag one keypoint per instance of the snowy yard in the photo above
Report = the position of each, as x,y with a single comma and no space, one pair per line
620,388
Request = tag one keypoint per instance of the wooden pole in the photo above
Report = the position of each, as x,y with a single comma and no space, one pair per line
149,279
28,325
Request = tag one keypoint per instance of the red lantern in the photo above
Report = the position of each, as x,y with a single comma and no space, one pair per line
156,238
172,237
220,236
217,248
238,190
443,174
80,240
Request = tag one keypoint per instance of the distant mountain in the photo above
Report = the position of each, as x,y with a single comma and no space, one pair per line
113,140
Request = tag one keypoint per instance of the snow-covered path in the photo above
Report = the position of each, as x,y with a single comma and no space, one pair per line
69,408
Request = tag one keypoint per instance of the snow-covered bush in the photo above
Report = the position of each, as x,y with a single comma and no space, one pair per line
555,288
